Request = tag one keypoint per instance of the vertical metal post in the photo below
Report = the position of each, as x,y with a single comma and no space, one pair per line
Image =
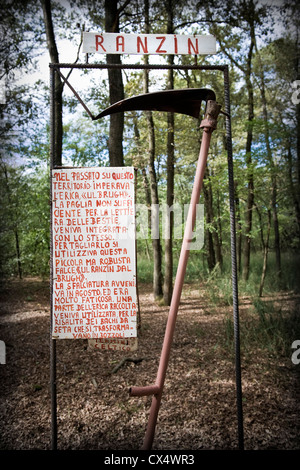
52,341
234,264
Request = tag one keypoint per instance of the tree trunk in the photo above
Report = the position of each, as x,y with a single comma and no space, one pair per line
157,257
18,251
156,245
217,240
296,190
298,154
292,189
272,169
297,77
116,89
265,245
250,197
11,204
168,278
145,180
239,229
216,220
209,242
58,84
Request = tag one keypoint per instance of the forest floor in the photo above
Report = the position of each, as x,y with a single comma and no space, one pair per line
94,409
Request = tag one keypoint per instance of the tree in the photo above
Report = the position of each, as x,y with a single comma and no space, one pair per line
168,277
156,245
12,216
116,89
265,123
58,83
274,198
245,16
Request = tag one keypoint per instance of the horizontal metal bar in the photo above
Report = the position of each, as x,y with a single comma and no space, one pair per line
139,66
144,391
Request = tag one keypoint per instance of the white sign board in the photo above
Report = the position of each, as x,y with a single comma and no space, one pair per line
93,253
117,43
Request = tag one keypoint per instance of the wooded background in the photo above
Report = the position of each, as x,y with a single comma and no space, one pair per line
259,42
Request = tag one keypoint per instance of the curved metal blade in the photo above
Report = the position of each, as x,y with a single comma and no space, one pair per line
185,101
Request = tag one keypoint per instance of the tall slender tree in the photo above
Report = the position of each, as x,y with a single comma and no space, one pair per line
116,88
272,166
246,15
156,244
168,277
58,83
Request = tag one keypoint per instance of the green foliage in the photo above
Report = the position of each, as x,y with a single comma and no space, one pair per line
271,328
24,210
25,135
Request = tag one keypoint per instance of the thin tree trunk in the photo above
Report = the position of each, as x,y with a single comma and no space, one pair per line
145,180
292,188
15,229
168,278
58,84
18,254
265,244
217,232
157,255
116,89
217,239
156,245
272,169
250,178
296,185
239,229
247,72
297,77
210,251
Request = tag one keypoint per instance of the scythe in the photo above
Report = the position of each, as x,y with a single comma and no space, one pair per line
188,102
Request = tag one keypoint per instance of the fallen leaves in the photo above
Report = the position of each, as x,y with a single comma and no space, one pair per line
94,409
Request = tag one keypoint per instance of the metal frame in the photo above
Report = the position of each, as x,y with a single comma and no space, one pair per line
55,68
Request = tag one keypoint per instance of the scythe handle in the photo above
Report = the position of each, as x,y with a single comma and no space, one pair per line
208,124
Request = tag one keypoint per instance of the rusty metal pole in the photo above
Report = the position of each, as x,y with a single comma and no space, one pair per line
234,273
53,391
208,125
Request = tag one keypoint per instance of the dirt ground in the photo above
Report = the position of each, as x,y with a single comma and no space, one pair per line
94,409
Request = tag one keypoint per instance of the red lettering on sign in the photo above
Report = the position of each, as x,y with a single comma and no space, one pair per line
99,40
159,50
191,45
175,45
140,44
120,42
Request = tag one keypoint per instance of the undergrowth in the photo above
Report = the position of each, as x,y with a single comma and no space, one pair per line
270,324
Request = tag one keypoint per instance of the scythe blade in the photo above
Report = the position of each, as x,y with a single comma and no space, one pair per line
185,101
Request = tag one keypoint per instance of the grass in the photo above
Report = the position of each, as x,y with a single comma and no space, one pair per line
267,326
219,282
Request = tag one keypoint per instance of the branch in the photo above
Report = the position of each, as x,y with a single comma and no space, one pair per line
223,49
78,50
122,8
123,361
